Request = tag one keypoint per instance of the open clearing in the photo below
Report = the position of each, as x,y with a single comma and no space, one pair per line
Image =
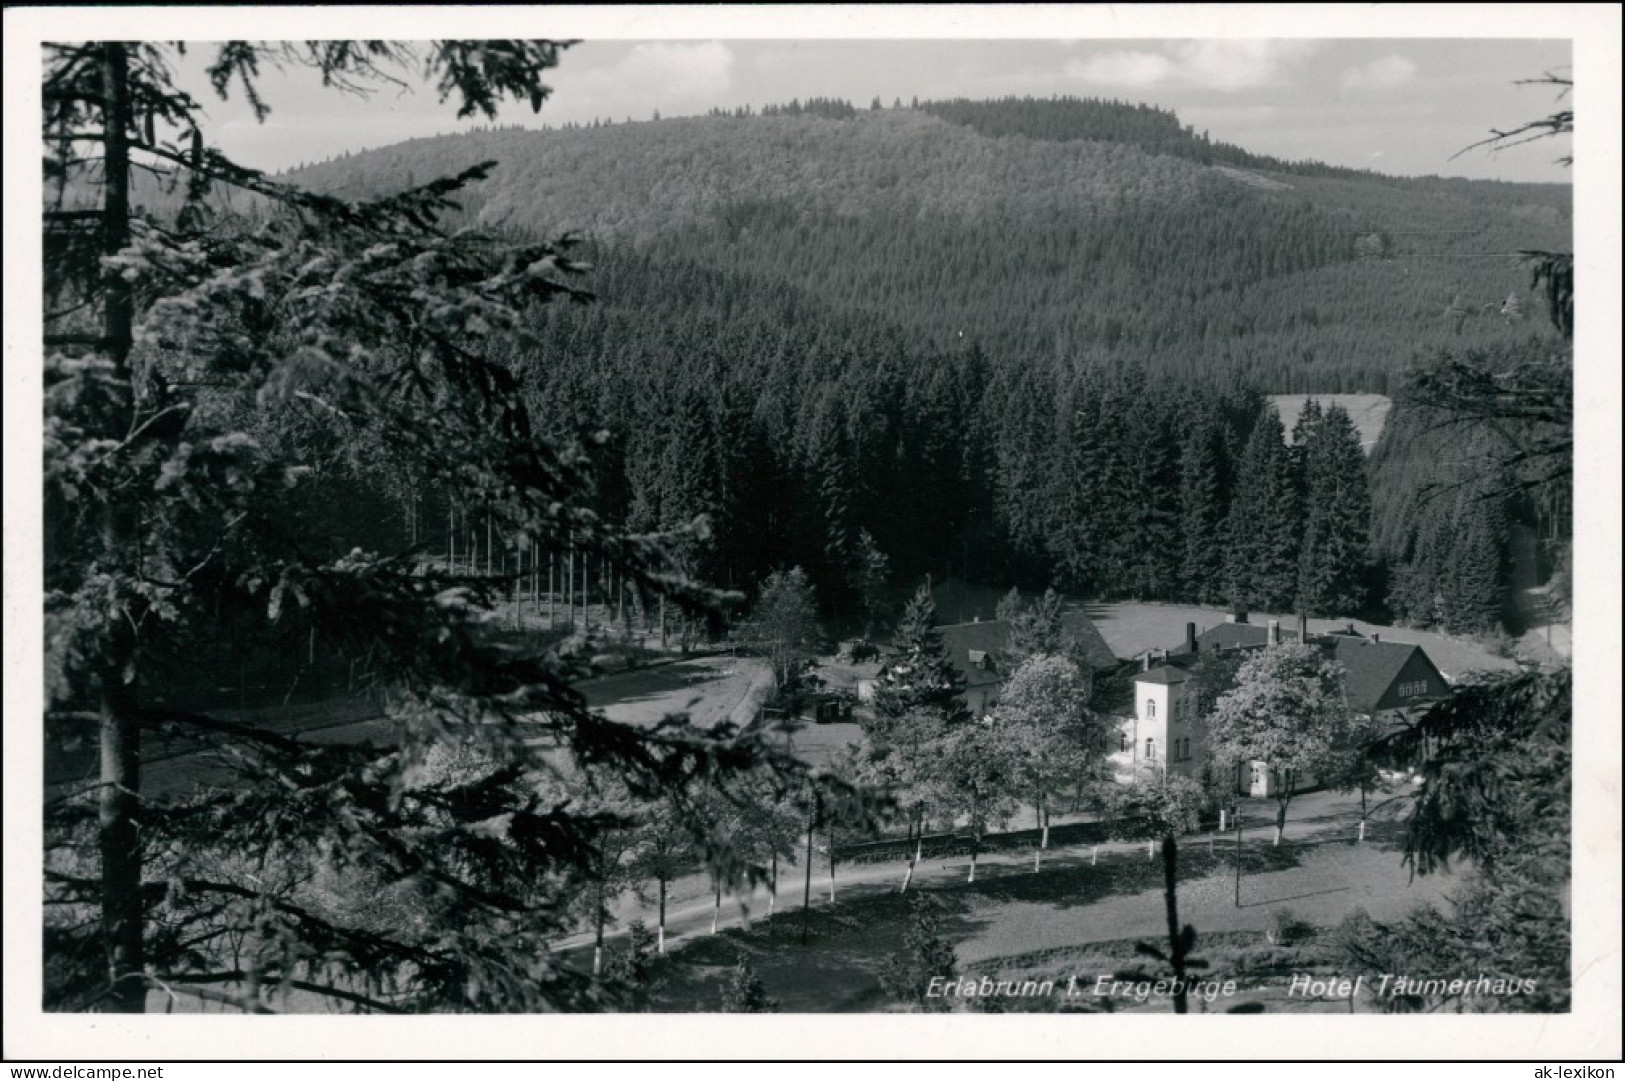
1369,412
1132,627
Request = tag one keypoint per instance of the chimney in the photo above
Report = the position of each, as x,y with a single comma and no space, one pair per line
1275,632
1230,617
1303,627
1145,662
1190,638
1375,637
1241,615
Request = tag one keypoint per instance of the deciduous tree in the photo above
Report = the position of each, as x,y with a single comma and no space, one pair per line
784,626
1287,712
1054,741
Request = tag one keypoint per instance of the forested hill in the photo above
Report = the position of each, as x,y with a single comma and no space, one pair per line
999,224
1013,342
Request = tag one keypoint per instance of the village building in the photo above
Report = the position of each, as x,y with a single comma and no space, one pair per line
980,651
1164,731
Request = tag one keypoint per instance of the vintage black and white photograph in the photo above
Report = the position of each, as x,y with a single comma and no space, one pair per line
869,524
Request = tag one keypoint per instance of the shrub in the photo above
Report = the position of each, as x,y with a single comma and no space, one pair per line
925,955
744,992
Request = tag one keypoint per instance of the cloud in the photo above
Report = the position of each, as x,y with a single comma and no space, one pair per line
1380,74
679,69
1223,65
672,76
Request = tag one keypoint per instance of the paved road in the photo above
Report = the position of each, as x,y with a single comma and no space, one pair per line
708,689
691,900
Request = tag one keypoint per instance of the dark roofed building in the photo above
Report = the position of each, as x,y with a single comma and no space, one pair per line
1164,675
1090,644
980,651
1383,676
1229,636
1381,680
1380,676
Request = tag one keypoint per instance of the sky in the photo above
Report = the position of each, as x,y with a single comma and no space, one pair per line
1403,105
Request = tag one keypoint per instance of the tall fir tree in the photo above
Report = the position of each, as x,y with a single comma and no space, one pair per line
1201,516
1261,560
1473,583
1148,520
201,371
1332,563
922,676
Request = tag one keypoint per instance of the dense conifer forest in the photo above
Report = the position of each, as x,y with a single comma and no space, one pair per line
1019,342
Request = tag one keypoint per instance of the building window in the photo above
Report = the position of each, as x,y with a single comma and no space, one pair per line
1150,707
1150,749
1122,741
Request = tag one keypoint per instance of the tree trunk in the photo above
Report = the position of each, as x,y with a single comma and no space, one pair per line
660,933
1043,836
598,934
716,909
1176,943
915,830
1280,819
773,888
831,836
806,895
1362,812
1238,856
123,923
1044,839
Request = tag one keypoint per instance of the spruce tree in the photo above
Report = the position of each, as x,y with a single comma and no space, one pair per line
200,371
921,676
1200,517
1148,520
1475,582
1038,629
926,956
1337,512
1261,561
869,576
744,992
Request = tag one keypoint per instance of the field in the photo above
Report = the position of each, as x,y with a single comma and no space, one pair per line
1368,412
